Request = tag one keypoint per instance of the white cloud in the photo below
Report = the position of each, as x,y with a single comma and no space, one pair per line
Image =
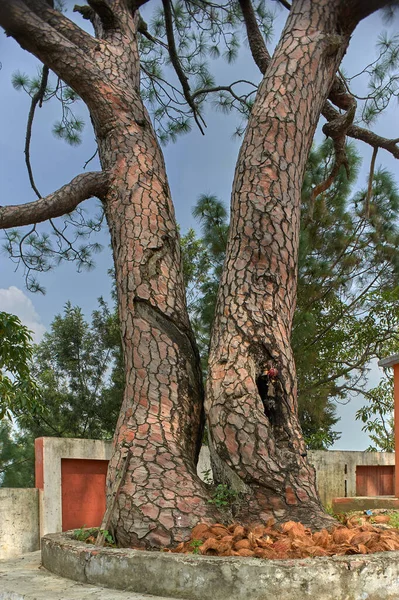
14,301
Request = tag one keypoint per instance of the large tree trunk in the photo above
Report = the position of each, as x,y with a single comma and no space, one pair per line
160,428
253,424
252,416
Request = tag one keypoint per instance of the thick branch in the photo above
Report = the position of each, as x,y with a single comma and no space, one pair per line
135,4
256,42
354,11
104,12
359,133
65,57
62,24
61,202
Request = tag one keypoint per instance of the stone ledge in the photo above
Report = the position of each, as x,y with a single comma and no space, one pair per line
344,505
191,577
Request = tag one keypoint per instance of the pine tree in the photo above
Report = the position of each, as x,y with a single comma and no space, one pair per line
251,403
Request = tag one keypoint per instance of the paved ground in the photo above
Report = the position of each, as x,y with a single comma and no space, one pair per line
24,579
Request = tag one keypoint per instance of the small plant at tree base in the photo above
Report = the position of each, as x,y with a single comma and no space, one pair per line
89,535
224,497
394,520
84,533
108,537
207,476
195,545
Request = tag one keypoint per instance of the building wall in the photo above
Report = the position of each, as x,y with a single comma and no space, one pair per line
336,470
49,453
24,513
19,521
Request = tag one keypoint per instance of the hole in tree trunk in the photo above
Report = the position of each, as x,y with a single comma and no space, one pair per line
269,404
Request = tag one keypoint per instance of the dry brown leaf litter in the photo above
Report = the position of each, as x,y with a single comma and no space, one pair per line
291,540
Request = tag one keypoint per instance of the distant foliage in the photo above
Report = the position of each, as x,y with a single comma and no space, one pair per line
348,298
79,375
377,416
75,366
18,389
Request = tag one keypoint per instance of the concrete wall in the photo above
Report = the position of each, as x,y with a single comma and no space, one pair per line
336,470
19,521
21,510
49,453
193,577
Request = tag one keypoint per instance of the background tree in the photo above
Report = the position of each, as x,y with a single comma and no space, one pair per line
17,458
254,430
75,365
18,389
346,309
79,376
377,416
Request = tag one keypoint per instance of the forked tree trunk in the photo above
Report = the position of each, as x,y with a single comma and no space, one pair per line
253,422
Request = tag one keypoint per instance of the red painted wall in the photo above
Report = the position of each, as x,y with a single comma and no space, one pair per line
83,492
375,480
39,482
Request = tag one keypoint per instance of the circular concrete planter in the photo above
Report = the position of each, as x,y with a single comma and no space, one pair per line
192,577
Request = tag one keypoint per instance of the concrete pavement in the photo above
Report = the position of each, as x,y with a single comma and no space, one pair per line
23,578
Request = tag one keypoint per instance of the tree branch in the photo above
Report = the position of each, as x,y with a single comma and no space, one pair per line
286,4
176,63
354,11
62,54
257,44
370,185
36,99
85,11
61,202
135,4
142,28
359,133
62,24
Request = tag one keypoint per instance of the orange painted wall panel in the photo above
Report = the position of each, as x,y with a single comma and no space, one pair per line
39,479
375,480
83,492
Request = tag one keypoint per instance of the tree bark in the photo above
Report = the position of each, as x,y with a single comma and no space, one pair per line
160,427
159,431
252,410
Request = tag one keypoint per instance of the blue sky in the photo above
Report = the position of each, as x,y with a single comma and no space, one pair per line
195,164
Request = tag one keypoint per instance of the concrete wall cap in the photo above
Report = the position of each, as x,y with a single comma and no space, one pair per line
390,361
192,577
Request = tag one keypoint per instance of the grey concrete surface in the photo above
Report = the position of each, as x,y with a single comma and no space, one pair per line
24,579
19,521
191,577
336,470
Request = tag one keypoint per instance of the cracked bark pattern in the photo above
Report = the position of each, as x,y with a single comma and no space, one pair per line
160,427
252,417
160,423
